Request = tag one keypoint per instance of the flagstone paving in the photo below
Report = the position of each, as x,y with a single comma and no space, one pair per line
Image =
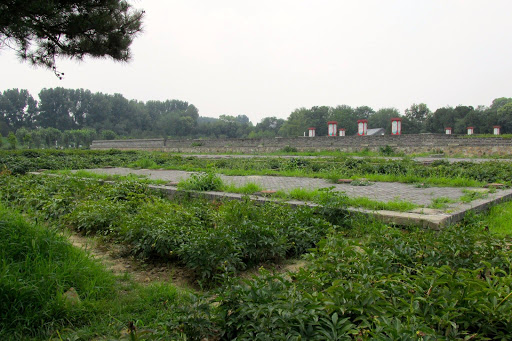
379,191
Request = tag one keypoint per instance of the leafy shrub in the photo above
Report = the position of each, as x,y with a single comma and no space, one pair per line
159,228
387,150
144,163
288,149
214,239
453,284
202,182
96,216
211,253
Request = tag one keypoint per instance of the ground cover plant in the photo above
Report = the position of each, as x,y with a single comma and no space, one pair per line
438,173
388,284
363,280
212,239
108,177
326,195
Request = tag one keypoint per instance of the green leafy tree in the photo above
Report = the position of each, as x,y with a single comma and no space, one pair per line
108,135
11,138
268,127
21,135
55,109
441,119
17,108
363,112
416,118
505,117
346,117
382,118
40,31
301,119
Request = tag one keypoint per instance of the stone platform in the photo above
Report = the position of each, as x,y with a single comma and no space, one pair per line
378,191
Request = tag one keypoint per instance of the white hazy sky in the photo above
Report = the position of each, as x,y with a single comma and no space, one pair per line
269,57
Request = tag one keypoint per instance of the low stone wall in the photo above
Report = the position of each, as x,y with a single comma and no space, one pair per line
411,143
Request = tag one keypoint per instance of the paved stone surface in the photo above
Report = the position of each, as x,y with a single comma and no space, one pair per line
380,191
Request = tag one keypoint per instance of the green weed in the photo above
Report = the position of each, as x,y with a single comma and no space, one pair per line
248,188
470,195
204,181
441,202
498,219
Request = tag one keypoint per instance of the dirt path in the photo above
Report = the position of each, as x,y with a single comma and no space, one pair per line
111,255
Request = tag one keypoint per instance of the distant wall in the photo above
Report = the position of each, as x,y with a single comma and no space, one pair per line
409,143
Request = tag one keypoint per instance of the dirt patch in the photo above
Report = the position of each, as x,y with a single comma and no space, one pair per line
111,256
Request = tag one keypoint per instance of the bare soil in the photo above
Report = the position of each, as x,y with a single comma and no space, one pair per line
112,256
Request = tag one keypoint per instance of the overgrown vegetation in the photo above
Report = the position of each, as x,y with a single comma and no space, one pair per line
438,173
386,285
212,239
361,280
324,196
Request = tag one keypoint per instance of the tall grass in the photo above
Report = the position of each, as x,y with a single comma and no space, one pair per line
38,266
499,219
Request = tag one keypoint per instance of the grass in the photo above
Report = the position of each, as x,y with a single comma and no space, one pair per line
470,195
39,265
441,202
498,219
432,181
335,175
322,195
248,188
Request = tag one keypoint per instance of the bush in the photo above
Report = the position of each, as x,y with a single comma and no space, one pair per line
391,284
288,149
96,216
202,182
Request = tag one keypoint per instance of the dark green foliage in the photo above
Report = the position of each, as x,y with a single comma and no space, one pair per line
387,150
390,285
42,30
288,149
11,138
213,239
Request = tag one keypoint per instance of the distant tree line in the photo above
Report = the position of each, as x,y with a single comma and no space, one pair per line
73,118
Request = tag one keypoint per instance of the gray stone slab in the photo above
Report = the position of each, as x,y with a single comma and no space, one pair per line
379,191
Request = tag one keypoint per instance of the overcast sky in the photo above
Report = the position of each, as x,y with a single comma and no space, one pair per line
269,57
